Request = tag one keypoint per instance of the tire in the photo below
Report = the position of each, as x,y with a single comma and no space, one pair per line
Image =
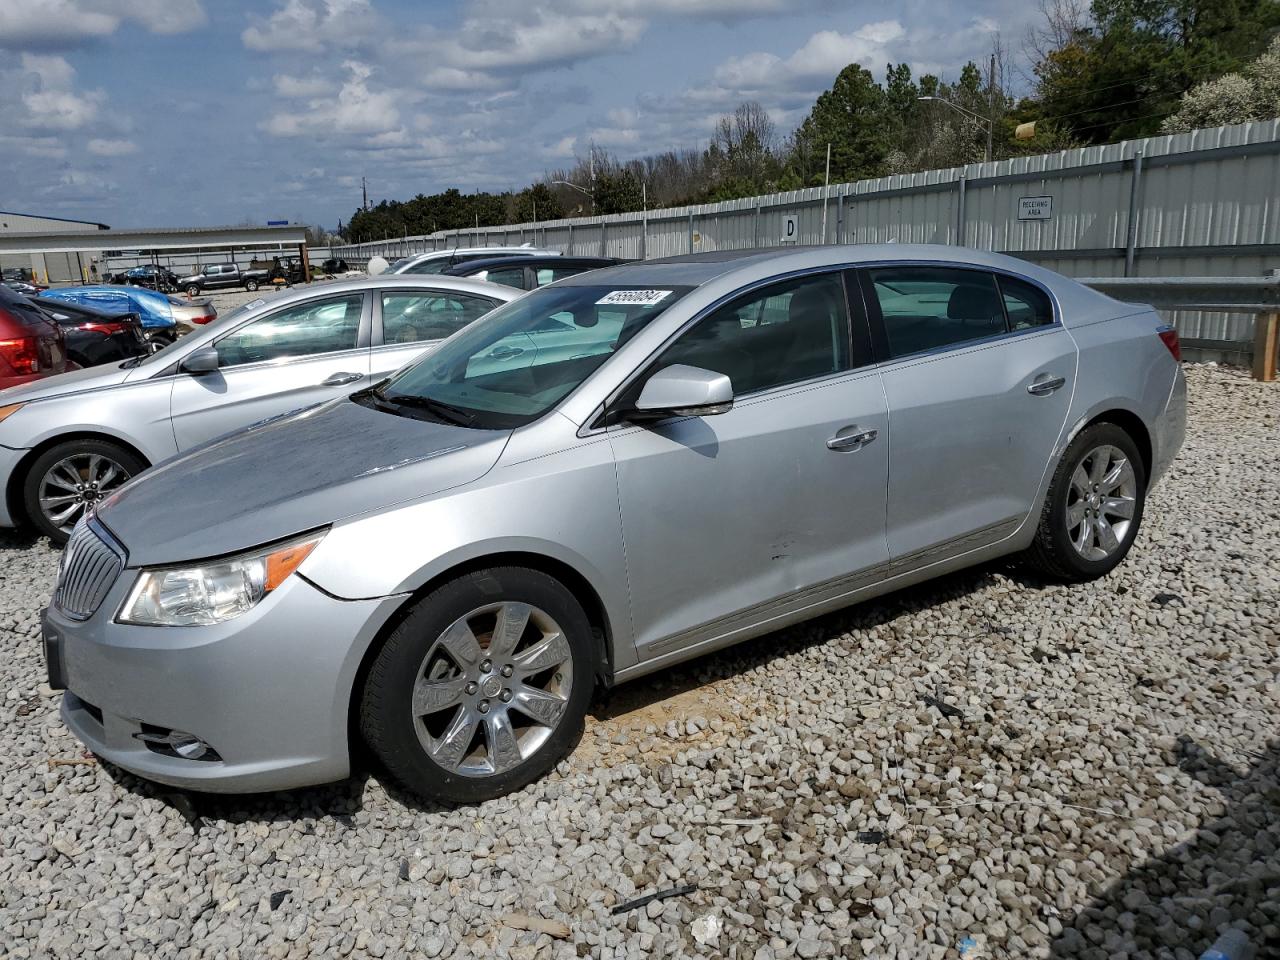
251,285
442,747
1070,542
193,290
105,465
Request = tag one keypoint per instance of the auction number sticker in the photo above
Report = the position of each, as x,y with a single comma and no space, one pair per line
635,298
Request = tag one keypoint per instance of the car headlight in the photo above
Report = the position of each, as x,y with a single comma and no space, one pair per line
203,594
8,411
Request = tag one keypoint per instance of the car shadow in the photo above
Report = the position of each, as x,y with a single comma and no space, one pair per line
1227,875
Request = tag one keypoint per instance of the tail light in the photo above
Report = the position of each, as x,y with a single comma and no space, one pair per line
205,318
22,354
1169,337
109,327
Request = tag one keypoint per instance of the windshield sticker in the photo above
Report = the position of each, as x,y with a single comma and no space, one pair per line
635,298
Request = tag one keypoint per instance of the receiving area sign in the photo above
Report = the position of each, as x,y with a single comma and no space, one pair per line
1035,208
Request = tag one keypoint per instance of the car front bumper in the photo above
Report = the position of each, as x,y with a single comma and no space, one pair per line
268,691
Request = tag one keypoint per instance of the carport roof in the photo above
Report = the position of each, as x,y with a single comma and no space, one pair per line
162,238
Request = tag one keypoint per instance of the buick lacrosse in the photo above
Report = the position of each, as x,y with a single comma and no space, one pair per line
609,475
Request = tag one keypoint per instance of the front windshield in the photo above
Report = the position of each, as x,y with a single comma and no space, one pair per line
520,360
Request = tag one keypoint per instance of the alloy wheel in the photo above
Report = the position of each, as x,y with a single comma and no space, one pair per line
1101,502
492,688
74,484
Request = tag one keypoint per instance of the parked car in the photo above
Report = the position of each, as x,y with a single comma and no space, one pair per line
150,275
32,346
217,276
526,272
438,261
94,337
164,318
334,266
263,359
19,275
451,560
24,288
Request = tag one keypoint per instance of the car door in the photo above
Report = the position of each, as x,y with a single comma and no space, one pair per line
294,357
407,323
775,506
978,374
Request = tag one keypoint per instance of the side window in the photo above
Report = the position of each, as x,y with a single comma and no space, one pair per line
783,334
924,308
414,317
1025,304
314,327
438,265
507,276
547,275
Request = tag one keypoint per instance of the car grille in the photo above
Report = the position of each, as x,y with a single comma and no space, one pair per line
90,565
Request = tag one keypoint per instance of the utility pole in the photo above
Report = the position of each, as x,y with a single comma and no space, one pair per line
364,192
593,178
991,104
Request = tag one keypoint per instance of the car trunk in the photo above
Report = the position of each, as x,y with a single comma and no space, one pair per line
31,345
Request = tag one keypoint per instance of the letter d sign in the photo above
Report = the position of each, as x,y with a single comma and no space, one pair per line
789,229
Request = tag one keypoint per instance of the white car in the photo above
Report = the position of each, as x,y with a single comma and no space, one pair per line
438,261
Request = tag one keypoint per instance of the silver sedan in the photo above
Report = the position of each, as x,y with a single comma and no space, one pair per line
611,474
68,441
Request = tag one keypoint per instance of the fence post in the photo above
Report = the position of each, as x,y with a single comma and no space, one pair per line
691,231
571,239
839,218
1266,342
1131,244
604,242
755,228
644,235
960,211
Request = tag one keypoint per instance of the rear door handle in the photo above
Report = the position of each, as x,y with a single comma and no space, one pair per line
340,379
1045,384
852,441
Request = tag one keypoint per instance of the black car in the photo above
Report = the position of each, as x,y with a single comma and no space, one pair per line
150,275
94,337
526,272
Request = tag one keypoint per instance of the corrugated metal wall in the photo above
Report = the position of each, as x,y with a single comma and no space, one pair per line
1204,203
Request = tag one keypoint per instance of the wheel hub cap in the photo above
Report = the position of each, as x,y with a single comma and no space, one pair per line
1101,502
492,688
71,486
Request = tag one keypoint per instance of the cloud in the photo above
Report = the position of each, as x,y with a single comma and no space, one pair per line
49,95
312,25
355,110
820,58
62,24
290,86
111,148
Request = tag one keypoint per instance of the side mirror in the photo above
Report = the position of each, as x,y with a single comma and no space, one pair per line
683,391
202,360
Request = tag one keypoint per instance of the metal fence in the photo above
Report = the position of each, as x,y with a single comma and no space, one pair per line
1203,203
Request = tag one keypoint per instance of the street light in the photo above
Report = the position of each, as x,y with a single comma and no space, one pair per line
968,113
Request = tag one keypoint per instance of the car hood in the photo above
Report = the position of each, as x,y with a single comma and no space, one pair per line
289,475
74,381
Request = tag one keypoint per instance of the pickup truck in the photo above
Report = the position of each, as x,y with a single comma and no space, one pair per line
215,276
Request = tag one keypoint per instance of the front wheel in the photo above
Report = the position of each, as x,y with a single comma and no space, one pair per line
483,687
193,290
1094,507
251,285
72,477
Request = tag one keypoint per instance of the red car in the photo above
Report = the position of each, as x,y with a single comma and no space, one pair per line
31,345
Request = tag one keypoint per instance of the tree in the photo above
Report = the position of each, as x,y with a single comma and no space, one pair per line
536,203
1251,94
851,117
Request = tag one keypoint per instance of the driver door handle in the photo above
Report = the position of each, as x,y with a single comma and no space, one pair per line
1045,384
852,441
340,379
506,353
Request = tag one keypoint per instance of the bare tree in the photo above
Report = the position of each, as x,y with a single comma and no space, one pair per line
1061,22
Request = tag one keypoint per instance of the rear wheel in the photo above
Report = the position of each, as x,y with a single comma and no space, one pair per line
1094,507
251,285
72,477
193,290
483,687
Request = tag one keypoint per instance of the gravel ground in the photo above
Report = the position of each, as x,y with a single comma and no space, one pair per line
1100,781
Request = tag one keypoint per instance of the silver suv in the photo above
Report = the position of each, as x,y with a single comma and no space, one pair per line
611,474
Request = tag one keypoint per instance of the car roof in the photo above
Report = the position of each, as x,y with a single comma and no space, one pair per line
534,260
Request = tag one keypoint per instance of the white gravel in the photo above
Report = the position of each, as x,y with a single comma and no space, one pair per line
1107,789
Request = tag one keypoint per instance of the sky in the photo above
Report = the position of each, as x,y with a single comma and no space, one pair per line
141,113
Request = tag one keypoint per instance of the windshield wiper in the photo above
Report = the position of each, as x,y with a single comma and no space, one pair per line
437,408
